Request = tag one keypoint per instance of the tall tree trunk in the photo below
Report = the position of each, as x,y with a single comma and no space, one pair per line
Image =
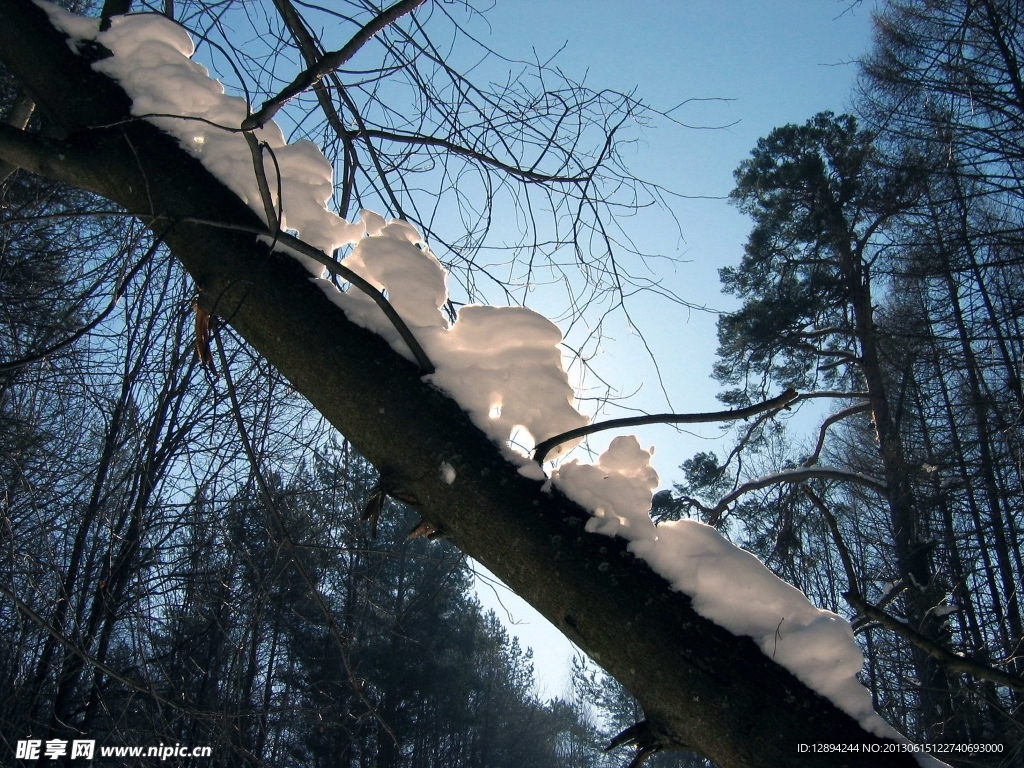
912,549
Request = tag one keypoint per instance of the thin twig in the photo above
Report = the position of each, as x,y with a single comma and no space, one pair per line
844,553
13,365
260,170
275,232
332,266
274,224
795,475
424,140
748,435
347,274
310,51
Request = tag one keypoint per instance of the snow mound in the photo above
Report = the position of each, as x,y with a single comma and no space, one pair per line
503,365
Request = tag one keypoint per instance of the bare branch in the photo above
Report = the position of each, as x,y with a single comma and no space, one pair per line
286,538
951,661
308,48
837,416
13,365
843,354
545,446
347,274
844,553
274,223
73,648
330,62
833,393
736,452
433,141
853,596
796,475
861,622
259,168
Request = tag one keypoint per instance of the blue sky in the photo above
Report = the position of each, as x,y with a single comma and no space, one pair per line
776,63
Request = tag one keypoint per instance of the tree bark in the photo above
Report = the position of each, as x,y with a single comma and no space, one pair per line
701,687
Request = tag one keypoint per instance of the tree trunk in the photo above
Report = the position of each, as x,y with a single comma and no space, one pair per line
912,551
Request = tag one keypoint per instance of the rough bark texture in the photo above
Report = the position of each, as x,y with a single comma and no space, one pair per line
701,687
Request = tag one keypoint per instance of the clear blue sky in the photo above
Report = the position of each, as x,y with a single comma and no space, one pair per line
778,62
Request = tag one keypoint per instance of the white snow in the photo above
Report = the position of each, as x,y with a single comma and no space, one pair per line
447,472
727,584
77,27
734,589
503,365
151,62
617,490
